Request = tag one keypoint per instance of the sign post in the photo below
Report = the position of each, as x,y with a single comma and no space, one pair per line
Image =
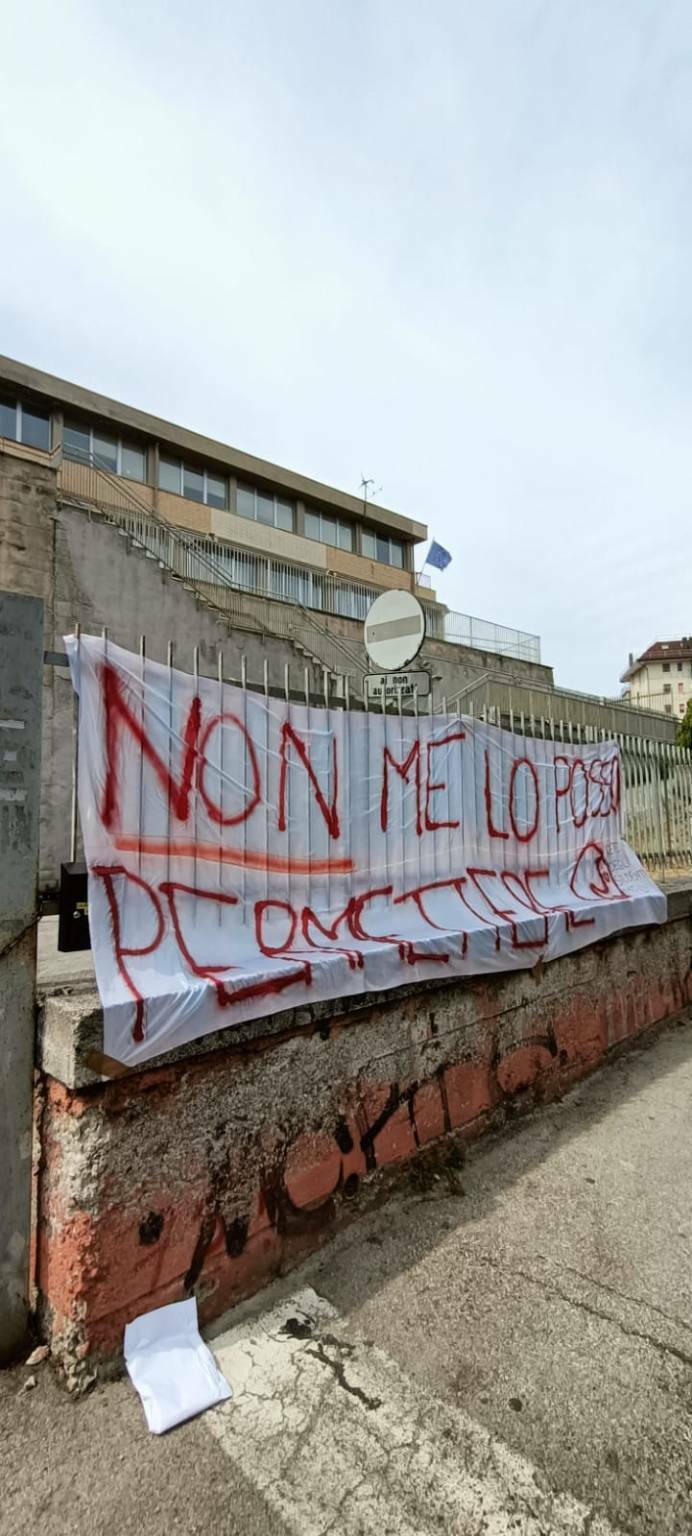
394,634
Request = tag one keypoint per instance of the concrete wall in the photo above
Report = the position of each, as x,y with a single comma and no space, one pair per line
213,1171
27,565
86,573
452,665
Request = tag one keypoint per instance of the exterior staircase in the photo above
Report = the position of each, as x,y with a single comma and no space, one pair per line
185,558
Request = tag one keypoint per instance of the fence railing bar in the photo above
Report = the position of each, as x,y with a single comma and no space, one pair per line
74,812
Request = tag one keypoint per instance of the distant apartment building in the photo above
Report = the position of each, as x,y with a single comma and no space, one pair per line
661,678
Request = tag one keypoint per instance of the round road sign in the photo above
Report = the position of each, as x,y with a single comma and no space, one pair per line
394,630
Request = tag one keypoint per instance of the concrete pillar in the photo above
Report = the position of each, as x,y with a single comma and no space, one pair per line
57,427
21,674
153,456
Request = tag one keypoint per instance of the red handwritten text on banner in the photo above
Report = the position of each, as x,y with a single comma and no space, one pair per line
247,855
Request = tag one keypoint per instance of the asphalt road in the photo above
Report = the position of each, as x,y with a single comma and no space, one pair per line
503,1349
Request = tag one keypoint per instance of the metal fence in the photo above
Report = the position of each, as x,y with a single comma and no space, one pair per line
656,803
491,689
483,635
656,785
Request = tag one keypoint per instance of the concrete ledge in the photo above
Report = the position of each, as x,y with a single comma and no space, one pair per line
679,894
214,1171
70,1025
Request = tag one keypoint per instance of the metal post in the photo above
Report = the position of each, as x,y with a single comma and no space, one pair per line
74,813
21,669
654,764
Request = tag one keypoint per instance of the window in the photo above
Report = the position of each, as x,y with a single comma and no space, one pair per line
264,507
378,547
133,462
216,491
669,709
667,688
8,418
89,445
679,666
681,687
24,423
169,476
105,452
682,709
665,666
34,427
329,530
76,442
194,484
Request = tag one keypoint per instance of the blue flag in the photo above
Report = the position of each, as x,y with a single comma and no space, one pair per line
438,556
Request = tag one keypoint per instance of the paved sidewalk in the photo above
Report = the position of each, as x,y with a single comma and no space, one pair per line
507,1350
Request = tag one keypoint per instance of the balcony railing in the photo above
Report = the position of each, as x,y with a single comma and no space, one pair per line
483,635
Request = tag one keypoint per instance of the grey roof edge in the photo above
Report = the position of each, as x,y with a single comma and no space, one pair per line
63,392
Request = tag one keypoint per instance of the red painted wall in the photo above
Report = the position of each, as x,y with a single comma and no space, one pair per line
217,1173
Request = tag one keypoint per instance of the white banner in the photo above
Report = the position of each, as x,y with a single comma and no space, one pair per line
247,855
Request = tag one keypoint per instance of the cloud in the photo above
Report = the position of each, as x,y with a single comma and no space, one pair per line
448,245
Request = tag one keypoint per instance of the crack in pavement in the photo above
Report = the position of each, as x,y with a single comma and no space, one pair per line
552,1289
637,1301
418,1466
311,1421
319,1353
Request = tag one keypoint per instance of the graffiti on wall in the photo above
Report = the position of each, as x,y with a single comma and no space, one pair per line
247,854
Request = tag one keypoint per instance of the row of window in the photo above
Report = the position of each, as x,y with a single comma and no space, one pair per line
264,507
329,530
89,445
388,551
195,484
274,511
669,709
24,424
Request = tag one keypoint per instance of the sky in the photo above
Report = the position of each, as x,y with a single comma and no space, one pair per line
446,245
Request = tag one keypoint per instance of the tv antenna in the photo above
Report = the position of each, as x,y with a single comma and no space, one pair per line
367,489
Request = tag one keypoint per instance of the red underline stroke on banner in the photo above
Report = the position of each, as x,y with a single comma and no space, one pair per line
161,847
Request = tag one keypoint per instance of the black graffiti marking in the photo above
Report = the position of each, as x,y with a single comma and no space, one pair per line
397,1097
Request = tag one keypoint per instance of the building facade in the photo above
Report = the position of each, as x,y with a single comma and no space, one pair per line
190,550
267,529
661,678
258,527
